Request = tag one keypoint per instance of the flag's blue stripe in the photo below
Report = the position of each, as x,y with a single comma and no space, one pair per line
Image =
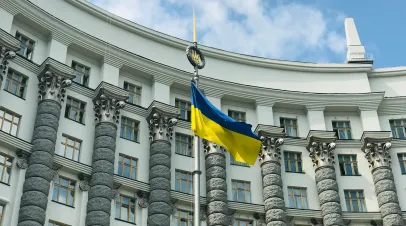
206,108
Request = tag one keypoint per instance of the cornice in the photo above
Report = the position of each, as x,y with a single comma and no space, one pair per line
392,106
8,41
15,142
217,53
387,72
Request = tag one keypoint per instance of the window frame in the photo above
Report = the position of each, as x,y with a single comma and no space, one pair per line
354,163
81,108
68,190
236,189
123,164
297,160
291,126
134,93
337,129
4,167
293,195
402,162
135,127
74,64
189,142
65,138
237,163
394,128
247,222
187,109
242,115
178,218
358,198
20,36
178,181
20,83
14,115
129,207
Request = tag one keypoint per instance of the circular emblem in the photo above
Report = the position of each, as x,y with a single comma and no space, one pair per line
195,57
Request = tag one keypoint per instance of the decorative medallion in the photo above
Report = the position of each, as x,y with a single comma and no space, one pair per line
195,57
143,199
22,163
84,185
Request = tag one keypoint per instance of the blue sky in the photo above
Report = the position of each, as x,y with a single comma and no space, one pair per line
305,30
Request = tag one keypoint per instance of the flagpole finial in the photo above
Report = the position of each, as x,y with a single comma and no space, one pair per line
194,27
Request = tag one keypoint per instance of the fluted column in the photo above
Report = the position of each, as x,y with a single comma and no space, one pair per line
272,187
216,185
107,106
39,173
376,148
5,56
321,147
161,130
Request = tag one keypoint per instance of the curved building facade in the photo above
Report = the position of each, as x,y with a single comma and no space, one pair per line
95,129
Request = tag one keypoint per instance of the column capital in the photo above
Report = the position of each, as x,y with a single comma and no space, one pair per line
321,145
272,141
211,147
6,55
161,119
108,102
376,146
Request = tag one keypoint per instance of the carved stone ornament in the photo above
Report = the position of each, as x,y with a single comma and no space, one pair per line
22,161
377,154
108,109
55,168
143,199
84,182
52,87
115,193
210,147
270,149
5,56
161,127
321,153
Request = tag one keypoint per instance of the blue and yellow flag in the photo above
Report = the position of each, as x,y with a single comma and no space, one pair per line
211,124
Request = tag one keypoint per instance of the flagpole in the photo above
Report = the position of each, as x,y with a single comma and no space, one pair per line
197,172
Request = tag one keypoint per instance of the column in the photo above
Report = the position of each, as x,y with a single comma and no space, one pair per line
370,120
216,185
316,118
107,106
57,50
321,147
161,130
39,173
272,188
376,147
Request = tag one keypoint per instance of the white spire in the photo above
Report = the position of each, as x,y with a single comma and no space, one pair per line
355,50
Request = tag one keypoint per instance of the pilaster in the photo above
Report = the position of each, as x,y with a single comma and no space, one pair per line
265,114
376,146
110,73
370,120
216,185
57,50
272,187
315,116
321,146
161,92
161,119
40,171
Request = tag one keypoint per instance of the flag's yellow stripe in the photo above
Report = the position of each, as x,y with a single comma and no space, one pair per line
242,147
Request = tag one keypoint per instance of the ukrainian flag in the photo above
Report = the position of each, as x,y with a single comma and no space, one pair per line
213,125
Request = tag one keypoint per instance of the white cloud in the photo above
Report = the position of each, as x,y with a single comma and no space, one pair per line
269,29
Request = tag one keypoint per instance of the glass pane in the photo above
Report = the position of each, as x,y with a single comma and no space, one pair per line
401,133
126,171
132,214
117,210
76,156
65,183
348,169
134,173
297,192
291,203
70,198
127,161
355,205
55,194
120,170
125,200
6,126
241,196
62,195
128,134
69,152
341,134
293,166
298,203
349,134
240,185
348,205
183,184
363,207
398,122
14,129
124,213
234,195
295,132
299,167
177,185
248,198
304,199
356,169
394,133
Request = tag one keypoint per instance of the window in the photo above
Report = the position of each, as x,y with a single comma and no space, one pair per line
70,148
355,200
129,129
241,191
293,162
125,208
127,166
348,165
183,181
290,126
402,162
183,218
75,110
64,191
237,163
342,129
297,197
5,167
135,93
237,115
184,109
9,122
26,46
241,222
2,207
15,83
398,128
54,223
82,73
183,144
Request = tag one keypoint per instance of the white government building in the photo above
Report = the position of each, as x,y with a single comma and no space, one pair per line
72,152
